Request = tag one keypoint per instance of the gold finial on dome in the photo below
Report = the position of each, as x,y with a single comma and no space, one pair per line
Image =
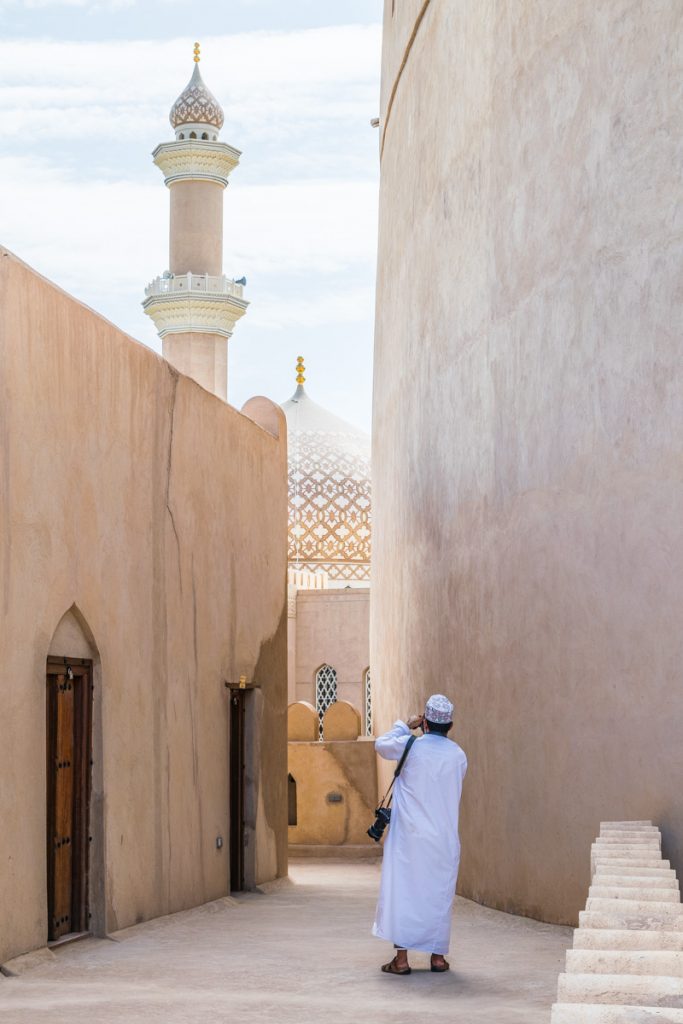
300,370
196,104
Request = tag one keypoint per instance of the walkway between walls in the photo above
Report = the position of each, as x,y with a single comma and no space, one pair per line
301,952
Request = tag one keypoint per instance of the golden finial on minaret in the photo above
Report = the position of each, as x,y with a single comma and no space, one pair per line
197,58
300,370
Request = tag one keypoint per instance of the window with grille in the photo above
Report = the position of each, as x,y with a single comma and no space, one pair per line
367,702
325,692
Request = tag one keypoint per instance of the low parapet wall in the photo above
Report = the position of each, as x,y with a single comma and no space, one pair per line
336,792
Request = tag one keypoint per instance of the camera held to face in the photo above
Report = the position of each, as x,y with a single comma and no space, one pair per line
376,830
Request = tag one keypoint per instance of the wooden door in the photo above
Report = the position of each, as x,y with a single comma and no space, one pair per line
237,782
69,702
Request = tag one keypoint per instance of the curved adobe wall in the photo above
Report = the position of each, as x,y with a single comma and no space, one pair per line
528,422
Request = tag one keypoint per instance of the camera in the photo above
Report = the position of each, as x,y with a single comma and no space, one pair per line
376,830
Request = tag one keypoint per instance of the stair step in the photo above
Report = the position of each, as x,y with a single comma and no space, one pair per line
618,860
629,853
648,841
631,830
651,893
612,850
656,910
592,1013
657,880
629,989
624,938
627,824
662,963
618,917
644,840
639,834
613,867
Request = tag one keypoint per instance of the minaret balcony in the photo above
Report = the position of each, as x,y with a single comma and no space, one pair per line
196,160
194,283
194,303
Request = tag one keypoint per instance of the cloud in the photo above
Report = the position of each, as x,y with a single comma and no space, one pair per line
298,79
310,227
81,201
92,6
307,248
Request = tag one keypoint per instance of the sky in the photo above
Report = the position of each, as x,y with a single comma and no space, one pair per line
85,91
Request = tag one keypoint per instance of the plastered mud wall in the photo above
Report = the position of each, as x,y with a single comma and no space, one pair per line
154,517
336,792
527,460
332,627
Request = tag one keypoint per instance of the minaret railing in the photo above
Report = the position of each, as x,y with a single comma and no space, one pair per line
195,283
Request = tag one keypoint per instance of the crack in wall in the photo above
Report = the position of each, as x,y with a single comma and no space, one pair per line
169,462
399,73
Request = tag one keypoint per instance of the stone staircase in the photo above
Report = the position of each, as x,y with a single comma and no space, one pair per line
626,964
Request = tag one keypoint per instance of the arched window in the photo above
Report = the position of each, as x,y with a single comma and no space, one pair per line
205,135
367,702
182,135
193,135
325,692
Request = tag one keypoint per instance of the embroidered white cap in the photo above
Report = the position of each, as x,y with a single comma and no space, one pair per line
439,709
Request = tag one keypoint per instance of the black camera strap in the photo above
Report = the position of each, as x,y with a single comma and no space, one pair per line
386,799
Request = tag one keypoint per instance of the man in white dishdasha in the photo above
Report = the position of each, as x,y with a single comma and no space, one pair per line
422,848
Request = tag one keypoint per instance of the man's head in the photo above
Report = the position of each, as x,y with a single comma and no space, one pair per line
438,714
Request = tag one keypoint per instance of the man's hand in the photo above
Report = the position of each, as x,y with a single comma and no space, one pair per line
415,721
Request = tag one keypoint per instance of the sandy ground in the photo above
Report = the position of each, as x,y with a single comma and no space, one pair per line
300,952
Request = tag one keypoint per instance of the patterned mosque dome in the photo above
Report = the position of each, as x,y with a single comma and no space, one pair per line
329,491
196,104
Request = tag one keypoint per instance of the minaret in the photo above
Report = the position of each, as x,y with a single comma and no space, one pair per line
194,306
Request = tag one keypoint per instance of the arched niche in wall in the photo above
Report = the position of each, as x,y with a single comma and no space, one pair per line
292,818
73,638
74,784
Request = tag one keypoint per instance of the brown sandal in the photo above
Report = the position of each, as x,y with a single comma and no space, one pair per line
392,968
441,968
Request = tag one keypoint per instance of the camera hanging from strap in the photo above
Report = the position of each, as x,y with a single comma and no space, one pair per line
386,799
383,812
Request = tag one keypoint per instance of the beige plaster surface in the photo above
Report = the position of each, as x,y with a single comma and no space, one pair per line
301,952
347,769
527,470
202,356
332,626
341,721
129,499
196,228
302,721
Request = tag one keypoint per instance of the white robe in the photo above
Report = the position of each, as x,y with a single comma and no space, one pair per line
422,846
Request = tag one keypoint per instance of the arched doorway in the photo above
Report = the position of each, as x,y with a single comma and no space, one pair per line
70,685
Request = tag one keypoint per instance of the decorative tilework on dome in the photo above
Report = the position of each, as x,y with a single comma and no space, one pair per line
330,507
196,104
